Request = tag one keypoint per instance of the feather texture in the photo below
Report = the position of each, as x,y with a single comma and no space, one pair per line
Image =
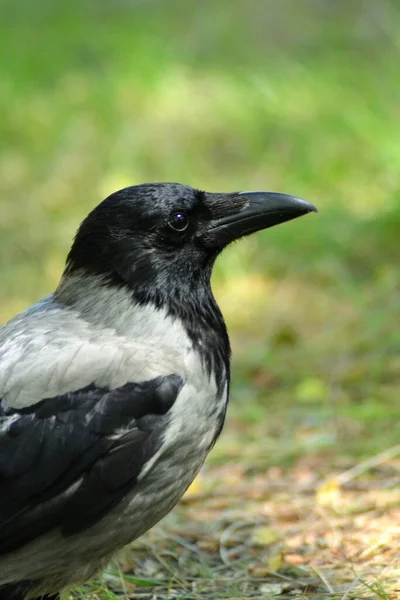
68,460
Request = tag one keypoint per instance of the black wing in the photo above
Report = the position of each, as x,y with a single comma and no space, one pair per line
95,440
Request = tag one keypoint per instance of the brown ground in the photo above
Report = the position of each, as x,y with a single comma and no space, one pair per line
280,534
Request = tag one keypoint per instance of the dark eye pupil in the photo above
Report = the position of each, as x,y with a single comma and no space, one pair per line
179,222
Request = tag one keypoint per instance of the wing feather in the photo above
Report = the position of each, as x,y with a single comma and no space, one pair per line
67,460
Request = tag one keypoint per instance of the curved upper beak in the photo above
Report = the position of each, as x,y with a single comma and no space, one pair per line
248,212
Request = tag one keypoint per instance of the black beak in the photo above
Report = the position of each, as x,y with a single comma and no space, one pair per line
248,212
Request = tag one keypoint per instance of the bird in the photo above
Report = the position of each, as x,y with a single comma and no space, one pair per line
114,388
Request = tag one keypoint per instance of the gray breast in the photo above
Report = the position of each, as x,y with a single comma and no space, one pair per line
61,350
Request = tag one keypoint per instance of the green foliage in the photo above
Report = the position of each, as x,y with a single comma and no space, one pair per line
296,96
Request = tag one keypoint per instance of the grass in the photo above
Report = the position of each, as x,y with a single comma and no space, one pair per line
295,96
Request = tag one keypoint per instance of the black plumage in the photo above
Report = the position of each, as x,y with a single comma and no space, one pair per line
18,592
56,442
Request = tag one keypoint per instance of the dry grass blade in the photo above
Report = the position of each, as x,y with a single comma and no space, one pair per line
366,465
323,578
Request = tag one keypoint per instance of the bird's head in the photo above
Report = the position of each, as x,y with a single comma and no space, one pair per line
166,236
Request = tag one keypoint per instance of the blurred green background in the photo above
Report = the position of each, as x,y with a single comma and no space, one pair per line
300,96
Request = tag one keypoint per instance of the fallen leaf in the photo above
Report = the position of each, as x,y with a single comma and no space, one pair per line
264,536
275,562
208,545
272,588
195,489
294,559
329,494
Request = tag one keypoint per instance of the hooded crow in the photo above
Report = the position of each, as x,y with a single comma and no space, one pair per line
114,388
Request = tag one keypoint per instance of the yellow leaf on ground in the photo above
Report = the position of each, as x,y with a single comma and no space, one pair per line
275,562
264,536
195,488
328,494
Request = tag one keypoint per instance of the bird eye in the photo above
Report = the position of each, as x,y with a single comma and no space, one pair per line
179,222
